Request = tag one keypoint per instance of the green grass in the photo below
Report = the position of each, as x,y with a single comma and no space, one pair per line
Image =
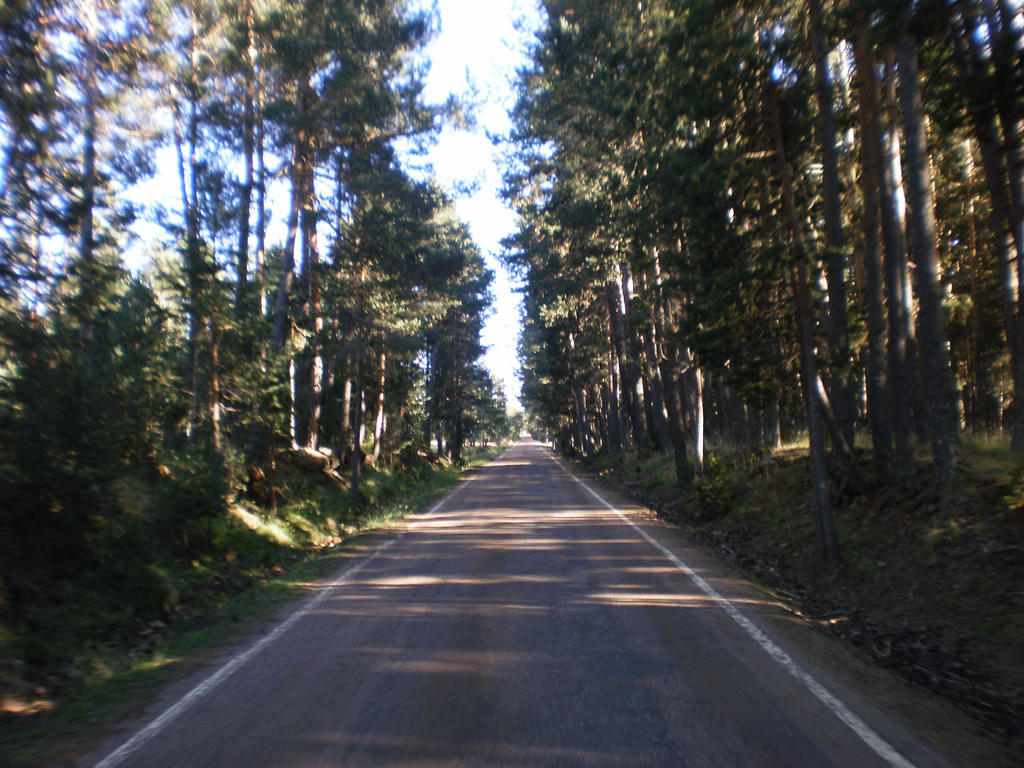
658,472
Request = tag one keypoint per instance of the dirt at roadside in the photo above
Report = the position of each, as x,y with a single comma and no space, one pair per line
932,585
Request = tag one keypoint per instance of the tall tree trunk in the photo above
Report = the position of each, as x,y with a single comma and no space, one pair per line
214,390
311,268
362,417
650,421
378,421
300,170
932,341
357,428
600,422
614,427
694,377
316,398
755,429
917,400
871,185
827,535
248,150
627,375
456,438
837,323
293,394
429,385
674,403
87,265
190,204
582,423
458,433
898,304
982,413
630,367
261,202
612,385
600,391
279,331
637,417
672,362
346,418
579,407
773,425
651,353
659,410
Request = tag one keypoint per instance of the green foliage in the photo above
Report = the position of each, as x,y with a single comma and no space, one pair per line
193,495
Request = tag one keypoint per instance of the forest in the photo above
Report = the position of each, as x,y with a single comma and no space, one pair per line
743,222
287,332
776,241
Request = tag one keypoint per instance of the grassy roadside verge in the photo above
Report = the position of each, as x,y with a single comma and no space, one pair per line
931,586
301,541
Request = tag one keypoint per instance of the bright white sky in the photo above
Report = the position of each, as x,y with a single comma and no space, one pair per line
481,45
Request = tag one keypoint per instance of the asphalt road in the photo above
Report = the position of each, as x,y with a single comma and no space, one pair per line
526,622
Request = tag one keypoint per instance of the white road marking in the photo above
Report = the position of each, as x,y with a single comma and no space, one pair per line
865,732
175,710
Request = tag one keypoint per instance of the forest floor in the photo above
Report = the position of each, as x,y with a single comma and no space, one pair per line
931,585
266,554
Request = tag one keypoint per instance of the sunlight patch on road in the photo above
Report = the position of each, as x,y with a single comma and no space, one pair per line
656,569
463,662
645,599
416,580
656,600
489,753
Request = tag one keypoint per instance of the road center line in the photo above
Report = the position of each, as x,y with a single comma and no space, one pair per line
178,708
866,733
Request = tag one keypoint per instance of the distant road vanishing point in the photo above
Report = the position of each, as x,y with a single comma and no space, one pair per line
526,621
